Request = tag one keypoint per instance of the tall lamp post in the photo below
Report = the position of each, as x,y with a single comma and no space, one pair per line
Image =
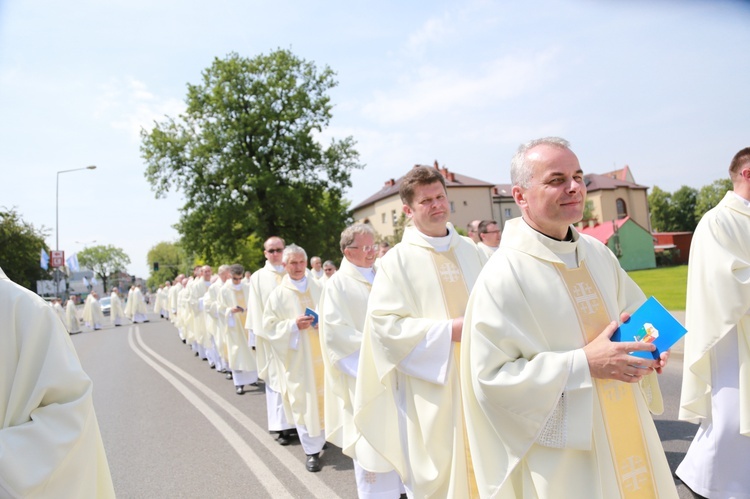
57,220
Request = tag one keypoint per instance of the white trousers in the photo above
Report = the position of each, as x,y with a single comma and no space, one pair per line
242,378
716,465
377,485
311,445
275,410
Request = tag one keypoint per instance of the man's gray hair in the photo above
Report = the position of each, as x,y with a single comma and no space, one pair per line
290,250
236,269
348,234
222,268
521,168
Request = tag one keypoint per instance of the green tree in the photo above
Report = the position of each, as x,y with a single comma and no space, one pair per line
20,248
103,260
660,206
710,195
247,156
172,261
683,209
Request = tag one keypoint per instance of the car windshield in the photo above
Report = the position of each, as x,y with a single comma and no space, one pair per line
105,300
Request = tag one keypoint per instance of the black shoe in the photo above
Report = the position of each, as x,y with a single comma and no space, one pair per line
228,376
240,390
284,438
118,325
313,463
254,384
196,354
184,342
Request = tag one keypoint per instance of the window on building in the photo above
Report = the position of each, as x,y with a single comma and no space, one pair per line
508,213
453,207
622,209
394,216
382,218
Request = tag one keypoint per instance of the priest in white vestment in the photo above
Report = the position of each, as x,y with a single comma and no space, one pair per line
489,237
240,356
408,396
197,321
295,346
92,312
262,283
116,312
215,326
343,309
716,366
316,267
129,304
50,444
71,315
174,291
184,312
553,407
139,306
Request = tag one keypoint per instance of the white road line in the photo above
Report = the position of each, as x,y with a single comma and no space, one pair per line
266,477
314,484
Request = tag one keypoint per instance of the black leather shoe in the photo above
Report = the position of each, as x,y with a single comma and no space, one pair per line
228,376
313,463
284,438
240,390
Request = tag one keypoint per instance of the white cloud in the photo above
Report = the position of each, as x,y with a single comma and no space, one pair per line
442,90
432,31
130,106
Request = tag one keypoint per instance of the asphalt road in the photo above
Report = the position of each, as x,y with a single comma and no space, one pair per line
173,427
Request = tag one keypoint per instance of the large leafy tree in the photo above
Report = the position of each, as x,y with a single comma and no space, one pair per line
710,195
104,261
683,209
172,261
247,157
660,206
20,248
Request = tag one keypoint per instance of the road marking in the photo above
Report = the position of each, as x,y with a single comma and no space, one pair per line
252,459
314,484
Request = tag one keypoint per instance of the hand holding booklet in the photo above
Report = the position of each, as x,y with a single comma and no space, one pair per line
651,323
311,313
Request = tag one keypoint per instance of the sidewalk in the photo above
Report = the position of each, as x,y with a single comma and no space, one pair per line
678,350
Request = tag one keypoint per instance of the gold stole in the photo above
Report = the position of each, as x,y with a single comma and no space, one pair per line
455,297
241,316
316,355
627,443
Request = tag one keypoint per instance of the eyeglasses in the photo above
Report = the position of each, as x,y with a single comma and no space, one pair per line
275,250
366,249
490,232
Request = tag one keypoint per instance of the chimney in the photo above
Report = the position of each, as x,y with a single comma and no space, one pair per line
390,183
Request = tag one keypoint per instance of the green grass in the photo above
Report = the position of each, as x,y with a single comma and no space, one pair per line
667,284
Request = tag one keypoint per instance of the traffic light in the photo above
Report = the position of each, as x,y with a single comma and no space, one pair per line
156,266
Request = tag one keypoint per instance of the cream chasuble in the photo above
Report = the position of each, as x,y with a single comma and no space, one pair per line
718,299
239,354
262,283
50,444
115,309
414,423
534,417
303,362
71,317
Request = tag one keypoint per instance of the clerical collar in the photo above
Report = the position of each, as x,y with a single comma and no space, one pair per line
236,287
301,285
566,251
278,268
441,243
367,272
745,201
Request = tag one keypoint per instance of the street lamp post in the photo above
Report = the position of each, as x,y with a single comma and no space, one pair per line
57,220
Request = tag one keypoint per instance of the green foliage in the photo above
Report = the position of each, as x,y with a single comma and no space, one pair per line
667,284
246,156
20,248
710,195
104,261
588,210
172,261
673,212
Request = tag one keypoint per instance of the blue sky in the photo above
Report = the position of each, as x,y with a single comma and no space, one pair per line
661,86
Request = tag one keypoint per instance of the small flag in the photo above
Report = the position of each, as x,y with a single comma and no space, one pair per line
44,260
93,281
85,281
72,263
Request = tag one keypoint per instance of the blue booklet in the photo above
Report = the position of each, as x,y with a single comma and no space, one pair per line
651,323
311,312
